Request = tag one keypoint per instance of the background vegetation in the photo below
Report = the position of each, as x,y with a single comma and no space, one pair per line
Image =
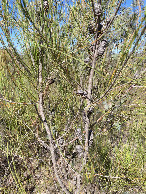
72,96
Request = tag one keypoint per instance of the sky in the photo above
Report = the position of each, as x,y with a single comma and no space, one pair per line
126,4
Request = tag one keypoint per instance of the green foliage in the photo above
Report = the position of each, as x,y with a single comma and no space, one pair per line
59,39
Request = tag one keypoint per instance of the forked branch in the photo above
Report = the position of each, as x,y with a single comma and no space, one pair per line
42,115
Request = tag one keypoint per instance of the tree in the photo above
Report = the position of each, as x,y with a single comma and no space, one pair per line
69,88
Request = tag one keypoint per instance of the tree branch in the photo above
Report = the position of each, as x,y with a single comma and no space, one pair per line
111,21
123,65
90,86
51,147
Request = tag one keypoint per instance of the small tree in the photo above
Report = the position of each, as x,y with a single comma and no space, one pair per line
68,86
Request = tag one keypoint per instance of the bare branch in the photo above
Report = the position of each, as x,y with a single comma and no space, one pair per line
51,147
90,86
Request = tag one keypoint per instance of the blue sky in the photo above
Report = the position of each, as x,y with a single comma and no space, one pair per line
127,4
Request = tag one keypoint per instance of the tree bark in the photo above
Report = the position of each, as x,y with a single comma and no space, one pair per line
42,115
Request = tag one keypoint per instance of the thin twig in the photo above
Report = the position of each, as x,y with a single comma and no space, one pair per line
124,64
